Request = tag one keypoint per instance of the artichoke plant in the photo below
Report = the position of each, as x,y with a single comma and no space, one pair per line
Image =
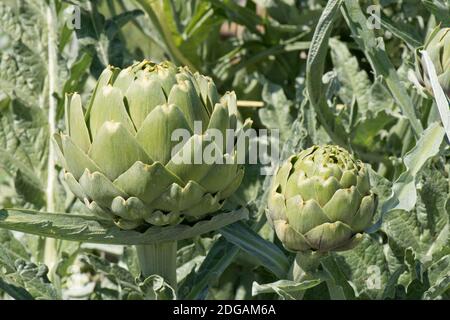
321,200
119,153
437,45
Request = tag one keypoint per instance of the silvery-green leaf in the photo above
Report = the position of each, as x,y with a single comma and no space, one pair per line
88,229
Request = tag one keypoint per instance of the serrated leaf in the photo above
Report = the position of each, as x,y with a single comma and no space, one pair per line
375,52
365,267
404,191
10,250
118,274
23,139
33,279
426,228
29,192
8,241
355,82
22,69
439,270
276,114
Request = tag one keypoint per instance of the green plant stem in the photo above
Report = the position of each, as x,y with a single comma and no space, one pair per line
50,251
304,267
160,259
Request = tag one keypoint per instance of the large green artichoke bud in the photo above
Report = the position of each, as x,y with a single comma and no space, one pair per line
438,47
118,153
320,200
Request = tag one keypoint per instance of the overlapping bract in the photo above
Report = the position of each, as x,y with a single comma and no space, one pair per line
321,200
438,47
118,154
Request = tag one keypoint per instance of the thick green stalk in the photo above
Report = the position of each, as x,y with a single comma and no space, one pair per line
304,267
160,259
50,252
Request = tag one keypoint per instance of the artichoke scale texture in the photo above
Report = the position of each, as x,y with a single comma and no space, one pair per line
121,160
320,200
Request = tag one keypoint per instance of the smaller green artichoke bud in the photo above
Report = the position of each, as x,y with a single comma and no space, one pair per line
321,200
437,45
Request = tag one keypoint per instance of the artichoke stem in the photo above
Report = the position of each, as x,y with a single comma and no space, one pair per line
160,259
304,267
50,257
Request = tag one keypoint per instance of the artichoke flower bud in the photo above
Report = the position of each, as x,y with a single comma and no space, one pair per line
438,47
118,154
320,200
